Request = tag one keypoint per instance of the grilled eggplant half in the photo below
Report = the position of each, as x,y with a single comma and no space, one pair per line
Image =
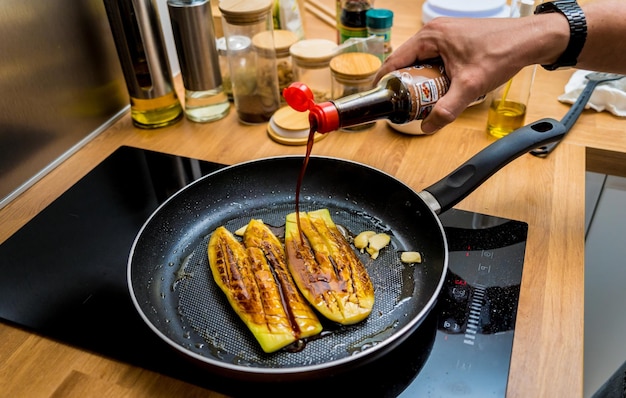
326,269
259,288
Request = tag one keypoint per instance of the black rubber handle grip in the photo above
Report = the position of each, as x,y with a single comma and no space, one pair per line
470,175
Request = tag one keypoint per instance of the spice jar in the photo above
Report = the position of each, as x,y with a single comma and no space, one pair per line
353,73
253,77
379,22
311,65
277,45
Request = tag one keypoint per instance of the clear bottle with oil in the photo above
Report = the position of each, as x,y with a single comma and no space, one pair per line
192,27
140,47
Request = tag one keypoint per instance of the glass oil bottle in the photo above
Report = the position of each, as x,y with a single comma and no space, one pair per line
140,46
192,27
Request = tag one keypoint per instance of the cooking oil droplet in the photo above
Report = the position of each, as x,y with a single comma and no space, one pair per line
181,273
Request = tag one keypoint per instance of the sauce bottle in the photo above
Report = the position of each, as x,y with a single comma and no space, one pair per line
401,96
351,21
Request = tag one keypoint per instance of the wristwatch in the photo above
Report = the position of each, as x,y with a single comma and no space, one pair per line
577,28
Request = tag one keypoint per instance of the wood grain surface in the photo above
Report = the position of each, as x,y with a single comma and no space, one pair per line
548,194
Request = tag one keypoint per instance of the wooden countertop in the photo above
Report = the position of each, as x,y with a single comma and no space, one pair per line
548,194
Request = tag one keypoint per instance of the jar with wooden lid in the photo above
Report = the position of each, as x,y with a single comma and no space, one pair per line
311,65
277,46
255,92
353,73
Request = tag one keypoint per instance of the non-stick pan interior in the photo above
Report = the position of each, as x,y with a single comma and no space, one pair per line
174,291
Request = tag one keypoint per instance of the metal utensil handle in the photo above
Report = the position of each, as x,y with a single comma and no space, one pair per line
570,117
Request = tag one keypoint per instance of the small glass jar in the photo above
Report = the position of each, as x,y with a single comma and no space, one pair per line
311,66
353,73
278,48
255,91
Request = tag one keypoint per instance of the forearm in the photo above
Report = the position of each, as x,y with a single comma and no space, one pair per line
605,48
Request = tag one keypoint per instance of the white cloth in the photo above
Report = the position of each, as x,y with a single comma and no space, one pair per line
610,96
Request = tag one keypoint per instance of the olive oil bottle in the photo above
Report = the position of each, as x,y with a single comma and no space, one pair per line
140,47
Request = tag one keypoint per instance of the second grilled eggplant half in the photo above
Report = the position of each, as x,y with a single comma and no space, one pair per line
326,269
256,288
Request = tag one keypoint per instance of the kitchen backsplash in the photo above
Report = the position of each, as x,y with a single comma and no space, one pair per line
61,84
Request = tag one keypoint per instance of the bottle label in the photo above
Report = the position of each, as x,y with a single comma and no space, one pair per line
426,84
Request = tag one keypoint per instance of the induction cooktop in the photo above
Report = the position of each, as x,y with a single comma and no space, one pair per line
64,277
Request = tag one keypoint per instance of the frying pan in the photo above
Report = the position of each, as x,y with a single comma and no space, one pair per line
173,291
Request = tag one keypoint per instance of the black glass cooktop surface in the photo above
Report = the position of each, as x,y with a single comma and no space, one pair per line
64,277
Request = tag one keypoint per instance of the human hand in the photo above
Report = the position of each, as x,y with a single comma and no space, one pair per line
478,54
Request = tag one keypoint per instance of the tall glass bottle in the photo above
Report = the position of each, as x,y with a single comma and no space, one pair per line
140,47
401,96
192,28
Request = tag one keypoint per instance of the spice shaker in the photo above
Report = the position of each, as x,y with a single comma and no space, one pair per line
311,65
353,73
192,28
401,96
379,22
253,76
140,47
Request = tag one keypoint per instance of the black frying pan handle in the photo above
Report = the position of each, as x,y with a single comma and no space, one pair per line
464,180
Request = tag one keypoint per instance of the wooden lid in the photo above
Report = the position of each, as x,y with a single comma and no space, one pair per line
282,40
243,12
288,118
313,51
355,65
290,127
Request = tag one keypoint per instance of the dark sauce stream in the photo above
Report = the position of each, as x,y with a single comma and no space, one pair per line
309,148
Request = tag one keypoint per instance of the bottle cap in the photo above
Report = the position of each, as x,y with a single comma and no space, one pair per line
192,27
323,117
379,18
299,96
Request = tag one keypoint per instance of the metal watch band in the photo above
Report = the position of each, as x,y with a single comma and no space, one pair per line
577,27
